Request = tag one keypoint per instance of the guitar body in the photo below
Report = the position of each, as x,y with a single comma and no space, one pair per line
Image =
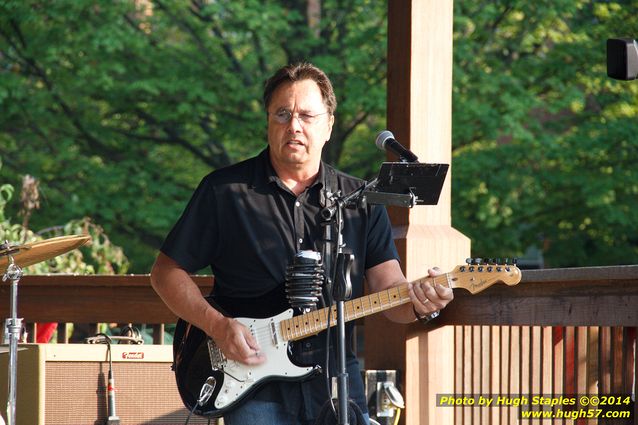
210,385
197,359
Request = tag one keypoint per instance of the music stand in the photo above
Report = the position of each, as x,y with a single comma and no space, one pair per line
406,184
398,183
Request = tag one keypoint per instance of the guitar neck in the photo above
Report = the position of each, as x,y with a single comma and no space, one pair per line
304,325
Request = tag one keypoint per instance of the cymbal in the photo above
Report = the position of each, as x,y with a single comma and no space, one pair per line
36,252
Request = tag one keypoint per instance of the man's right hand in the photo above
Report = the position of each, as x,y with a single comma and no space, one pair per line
236,342
184,298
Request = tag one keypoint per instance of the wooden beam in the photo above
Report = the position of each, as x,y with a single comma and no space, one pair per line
91,298
589,296
420,116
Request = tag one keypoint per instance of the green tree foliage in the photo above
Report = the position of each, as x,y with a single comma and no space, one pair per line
545,144
120,108
100,256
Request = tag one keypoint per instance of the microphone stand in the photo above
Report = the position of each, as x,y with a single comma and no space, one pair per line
403,184
338,281
338,264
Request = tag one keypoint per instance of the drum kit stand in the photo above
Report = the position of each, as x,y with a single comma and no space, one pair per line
12,259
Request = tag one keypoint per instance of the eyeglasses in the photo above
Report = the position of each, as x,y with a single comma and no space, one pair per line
283,116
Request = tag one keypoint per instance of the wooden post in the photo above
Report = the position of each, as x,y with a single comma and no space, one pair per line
420,116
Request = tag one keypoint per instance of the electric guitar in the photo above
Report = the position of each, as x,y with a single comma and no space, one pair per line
211,385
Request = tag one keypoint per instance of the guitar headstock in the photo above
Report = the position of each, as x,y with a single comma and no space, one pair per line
479,274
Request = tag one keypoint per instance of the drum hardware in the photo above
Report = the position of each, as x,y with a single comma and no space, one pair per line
12,259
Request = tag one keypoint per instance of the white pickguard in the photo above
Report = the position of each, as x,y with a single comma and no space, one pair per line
239,378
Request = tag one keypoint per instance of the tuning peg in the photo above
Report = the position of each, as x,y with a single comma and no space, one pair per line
478,261
469,261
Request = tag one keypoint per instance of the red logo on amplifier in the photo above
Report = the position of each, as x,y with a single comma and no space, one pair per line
133,355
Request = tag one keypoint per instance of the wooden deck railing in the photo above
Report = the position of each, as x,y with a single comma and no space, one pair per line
560,331
588,296
90,299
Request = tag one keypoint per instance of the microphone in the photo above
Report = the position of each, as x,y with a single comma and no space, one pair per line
386,142
112,419
304,280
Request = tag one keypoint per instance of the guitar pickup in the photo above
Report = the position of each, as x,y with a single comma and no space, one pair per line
273,334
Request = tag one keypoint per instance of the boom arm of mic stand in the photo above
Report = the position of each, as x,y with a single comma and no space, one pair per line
407,200
368,194
347,201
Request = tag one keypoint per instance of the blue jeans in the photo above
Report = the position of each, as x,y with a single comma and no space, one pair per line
259,412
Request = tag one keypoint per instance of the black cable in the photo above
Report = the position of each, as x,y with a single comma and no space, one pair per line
328,414
131,331
204,395
107,340
328,383
188,418
102,337
333,275
329,417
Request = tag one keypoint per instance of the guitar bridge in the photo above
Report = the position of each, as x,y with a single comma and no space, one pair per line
217,358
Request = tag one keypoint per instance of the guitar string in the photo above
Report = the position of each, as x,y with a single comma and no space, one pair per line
318,324
297,330
263,334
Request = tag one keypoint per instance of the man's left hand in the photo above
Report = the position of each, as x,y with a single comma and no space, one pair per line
428,298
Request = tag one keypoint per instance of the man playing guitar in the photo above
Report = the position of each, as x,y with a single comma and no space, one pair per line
248,220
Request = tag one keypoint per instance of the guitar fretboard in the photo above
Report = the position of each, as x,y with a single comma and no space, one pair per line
304,325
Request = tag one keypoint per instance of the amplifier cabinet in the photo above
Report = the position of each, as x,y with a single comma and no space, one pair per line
66,384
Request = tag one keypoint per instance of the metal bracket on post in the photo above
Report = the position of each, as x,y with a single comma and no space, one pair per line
385,402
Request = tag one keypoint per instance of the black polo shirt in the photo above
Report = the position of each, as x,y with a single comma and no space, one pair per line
246,225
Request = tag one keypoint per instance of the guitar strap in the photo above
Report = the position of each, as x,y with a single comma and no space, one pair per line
330,186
